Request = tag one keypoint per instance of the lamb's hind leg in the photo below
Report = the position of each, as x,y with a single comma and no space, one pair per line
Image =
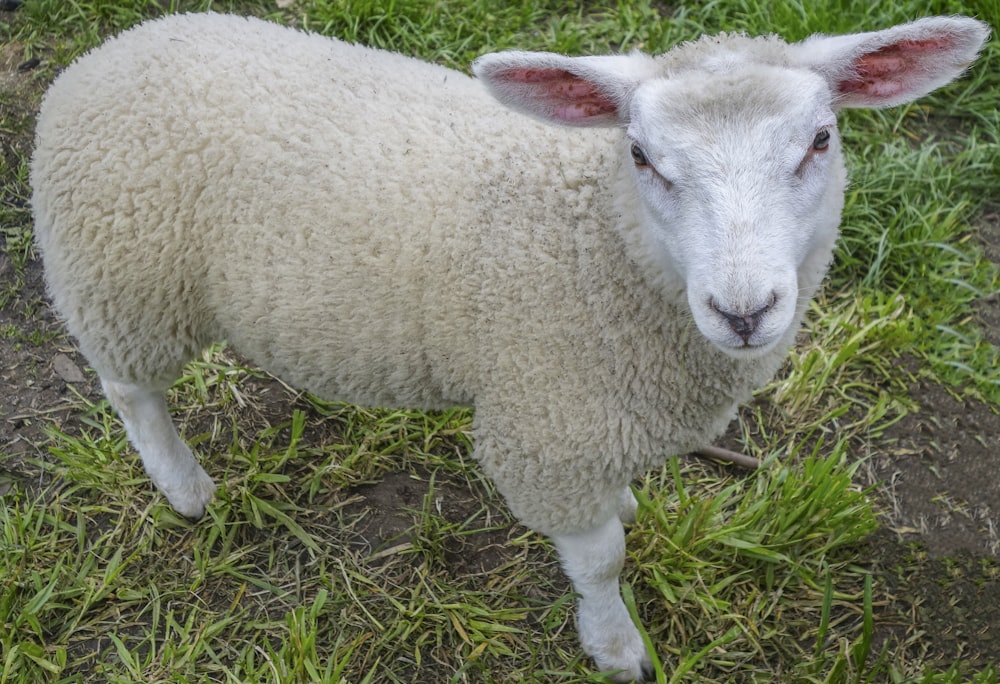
593,560
167,459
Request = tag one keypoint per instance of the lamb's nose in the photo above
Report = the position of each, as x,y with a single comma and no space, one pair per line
743,323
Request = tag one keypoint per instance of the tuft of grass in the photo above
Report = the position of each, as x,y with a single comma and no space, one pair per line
717,554
911,241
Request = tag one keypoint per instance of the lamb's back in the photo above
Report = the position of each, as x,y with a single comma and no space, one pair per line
330,210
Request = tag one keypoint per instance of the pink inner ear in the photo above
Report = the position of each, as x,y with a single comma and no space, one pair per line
567,96
892,70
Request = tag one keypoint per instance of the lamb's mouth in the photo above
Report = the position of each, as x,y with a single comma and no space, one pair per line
748,349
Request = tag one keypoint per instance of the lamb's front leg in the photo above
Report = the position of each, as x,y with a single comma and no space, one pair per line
593,560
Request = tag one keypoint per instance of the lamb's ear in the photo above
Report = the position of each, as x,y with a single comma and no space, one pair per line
897,65
574,91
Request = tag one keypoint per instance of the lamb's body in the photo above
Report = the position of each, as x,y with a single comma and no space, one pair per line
462,270
379,230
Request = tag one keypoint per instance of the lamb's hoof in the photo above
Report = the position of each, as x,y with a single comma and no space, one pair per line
624,656
192,496
645,672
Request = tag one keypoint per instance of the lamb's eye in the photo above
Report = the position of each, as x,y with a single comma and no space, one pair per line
638,156
822,140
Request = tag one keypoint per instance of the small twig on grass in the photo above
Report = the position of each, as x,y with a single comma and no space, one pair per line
727,456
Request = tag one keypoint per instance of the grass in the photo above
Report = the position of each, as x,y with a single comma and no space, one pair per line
354,545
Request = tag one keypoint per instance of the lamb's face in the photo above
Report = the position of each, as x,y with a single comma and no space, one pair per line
742,179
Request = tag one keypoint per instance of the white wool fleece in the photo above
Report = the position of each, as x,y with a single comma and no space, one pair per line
378,230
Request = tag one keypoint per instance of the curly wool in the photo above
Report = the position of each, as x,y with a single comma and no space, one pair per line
377,230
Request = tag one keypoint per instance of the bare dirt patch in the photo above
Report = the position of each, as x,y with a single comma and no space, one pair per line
939,473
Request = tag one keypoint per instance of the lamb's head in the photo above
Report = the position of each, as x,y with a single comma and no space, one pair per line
733,147
741,176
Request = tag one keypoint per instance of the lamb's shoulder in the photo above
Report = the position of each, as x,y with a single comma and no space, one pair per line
601,366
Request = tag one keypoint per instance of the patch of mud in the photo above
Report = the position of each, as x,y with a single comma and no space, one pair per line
940,474
944,607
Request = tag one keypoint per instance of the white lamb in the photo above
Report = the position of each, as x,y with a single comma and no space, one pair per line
379,230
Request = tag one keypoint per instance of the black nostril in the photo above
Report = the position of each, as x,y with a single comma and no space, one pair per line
741,325
744,324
